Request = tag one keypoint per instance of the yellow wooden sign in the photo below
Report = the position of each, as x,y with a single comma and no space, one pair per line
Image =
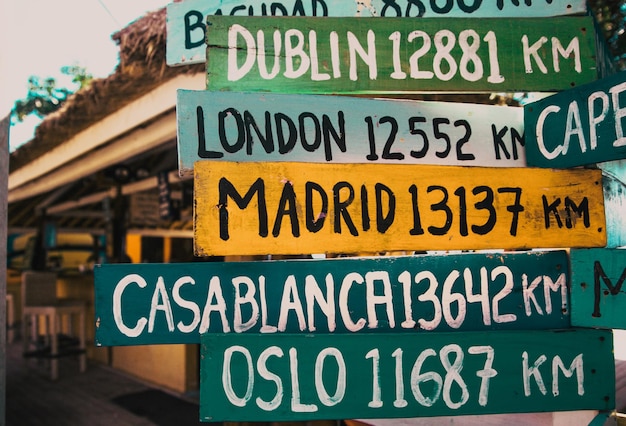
297,208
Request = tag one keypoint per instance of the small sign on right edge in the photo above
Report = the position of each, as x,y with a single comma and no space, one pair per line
579,126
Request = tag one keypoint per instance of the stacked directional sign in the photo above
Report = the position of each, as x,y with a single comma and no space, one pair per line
282,167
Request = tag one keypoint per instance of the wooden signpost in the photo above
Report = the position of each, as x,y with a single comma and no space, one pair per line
186,20
233,126
614,185
397,55
580,126
295,208
175,303
304,377
598,299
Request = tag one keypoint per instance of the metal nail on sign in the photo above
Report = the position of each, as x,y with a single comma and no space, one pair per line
295,208
303,377
234,126
580,126
186,20
385,55
598,276
175,303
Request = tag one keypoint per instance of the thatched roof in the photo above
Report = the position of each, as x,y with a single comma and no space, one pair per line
141,68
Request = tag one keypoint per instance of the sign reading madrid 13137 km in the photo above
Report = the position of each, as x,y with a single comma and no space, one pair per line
386,55
579,126
234,126
295,208
302,377
177,302
186,28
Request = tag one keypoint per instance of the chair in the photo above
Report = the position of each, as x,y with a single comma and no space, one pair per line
39,299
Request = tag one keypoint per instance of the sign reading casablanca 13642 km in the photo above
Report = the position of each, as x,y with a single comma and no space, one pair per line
303,377
584,125
387,55
234,126
295,208
176,303
598,276
186,20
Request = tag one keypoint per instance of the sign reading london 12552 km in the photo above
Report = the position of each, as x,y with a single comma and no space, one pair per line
176,303
584,125
186,20
303,377
295,208
385,55
234,126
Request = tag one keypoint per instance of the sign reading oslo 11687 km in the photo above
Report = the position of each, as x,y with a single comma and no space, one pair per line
295,208
387,55
233,126
303,377
186,28
579,126
176,303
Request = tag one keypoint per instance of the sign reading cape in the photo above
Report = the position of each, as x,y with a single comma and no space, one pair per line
386,55
175,303
584,125
304,377
186,29
296,208
598,276
233,126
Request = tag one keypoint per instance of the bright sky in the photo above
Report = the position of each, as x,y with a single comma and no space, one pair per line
38,37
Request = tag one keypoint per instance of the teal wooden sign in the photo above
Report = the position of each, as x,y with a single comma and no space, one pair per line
174,303
614,188
396,55
598,276
306,377
235,126
580,126
186,30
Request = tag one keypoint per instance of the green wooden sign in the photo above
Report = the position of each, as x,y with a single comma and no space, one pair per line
186,29
175,303
306,377
234,126
579,126
395,55
598,276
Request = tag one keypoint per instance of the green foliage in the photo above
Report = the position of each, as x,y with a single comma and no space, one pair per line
611,16
45,96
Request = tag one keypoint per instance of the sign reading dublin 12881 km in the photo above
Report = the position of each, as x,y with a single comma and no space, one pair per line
303,377
295,208
186,29
584,125
234,126
386,55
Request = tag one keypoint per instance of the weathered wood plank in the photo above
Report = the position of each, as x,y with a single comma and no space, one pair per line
303,377
397,55
409,294
186,29
597,279
614,183
579,126
295,208
234,126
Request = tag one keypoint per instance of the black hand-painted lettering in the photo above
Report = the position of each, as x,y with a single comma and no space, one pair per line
387,154
340,208
441,206
384,221
516,208
391,4
421,9
460,192
471,8
287,147
194,23
598,272
338,135
417,221
485,204
498,141
365,213
580,210
317,134
372,156
446,8
323,5
267,140
241,131
315,222
551,208
442,135
415,131
227,190
202,151
287,207
460,155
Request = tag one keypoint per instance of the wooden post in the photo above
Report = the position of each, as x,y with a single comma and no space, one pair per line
4,172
